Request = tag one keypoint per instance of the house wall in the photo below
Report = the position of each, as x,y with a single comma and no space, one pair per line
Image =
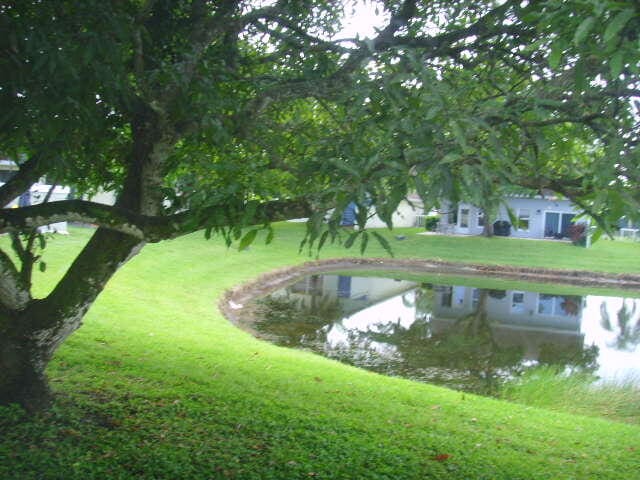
360,291
404,216
537,209
529,312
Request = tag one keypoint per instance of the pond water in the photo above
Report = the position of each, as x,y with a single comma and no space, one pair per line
470,338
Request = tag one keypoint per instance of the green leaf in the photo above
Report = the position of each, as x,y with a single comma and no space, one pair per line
363,242
451,158
512,217
303,243
340,163
351,239
42,266
415,155
583,30
460,136
384,243
617,24
556,55
270,235
580,78
249,213
432,112
616,64
323,239
248,239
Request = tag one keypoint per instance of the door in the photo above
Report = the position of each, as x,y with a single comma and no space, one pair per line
463,220
565,221
556,224
551,224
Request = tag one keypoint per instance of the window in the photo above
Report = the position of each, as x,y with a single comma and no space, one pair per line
523,219
475,298
517,302
464,218
480,218
446,296
561,305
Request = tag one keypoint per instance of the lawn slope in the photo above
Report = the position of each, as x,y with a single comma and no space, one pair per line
158,385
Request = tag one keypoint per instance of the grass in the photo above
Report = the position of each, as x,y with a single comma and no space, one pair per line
546,388
158,385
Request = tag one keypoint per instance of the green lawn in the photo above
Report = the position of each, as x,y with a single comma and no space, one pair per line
158,385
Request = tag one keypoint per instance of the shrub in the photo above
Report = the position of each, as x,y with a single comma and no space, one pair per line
431,223
577,233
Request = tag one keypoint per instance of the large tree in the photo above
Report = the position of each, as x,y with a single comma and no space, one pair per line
228,114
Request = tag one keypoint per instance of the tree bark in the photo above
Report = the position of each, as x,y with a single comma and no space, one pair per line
29,338
22,378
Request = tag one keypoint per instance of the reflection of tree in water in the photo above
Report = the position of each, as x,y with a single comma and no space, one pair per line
296,320
466,355
627,327
463,355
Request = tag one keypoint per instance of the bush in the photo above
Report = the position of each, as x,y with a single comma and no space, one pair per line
431,223
578,233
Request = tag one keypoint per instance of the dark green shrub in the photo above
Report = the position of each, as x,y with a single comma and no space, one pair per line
431,223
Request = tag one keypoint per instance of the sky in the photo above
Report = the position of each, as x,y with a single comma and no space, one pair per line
363,21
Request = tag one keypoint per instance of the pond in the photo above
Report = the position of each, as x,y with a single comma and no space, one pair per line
470,338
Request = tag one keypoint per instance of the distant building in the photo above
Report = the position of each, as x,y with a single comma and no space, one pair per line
547,216
407,214
36,194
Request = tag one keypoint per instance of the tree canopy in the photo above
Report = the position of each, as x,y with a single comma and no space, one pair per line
221,115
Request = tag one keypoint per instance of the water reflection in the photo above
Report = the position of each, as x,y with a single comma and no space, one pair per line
468,338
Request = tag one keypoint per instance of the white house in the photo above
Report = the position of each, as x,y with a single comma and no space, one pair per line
546,216
355,293
406,215
529,320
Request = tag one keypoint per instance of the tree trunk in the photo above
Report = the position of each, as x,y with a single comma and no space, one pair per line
30,338
30,334
22,377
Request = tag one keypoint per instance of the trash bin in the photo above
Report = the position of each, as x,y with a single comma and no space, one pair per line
502,228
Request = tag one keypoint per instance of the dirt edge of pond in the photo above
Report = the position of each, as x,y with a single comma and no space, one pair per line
235,303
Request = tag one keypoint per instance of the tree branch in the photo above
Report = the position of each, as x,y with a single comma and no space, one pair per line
29,173
144,227
483,27
12,293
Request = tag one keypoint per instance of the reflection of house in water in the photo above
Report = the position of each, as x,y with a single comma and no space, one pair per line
541,324
354,293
